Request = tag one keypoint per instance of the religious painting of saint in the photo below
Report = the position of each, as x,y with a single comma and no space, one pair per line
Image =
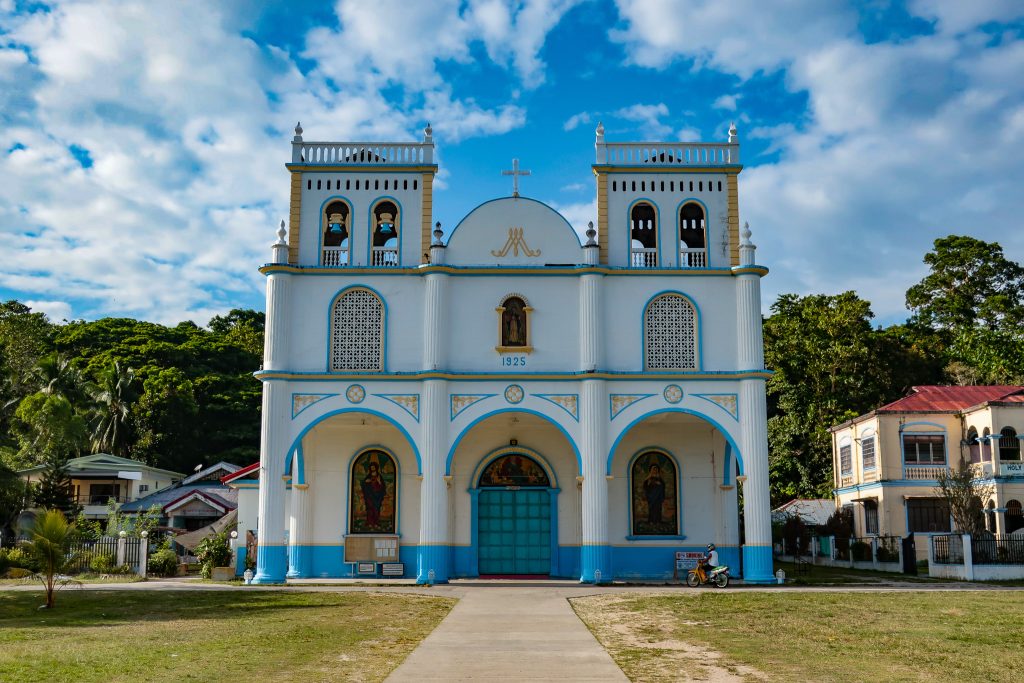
653,492
513,322
372,494
514,470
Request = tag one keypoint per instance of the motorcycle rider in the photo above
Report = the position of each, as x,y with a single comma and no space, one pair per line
711,559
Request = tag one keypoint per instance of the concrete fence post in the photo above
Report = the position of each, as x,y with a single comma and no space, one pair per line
832,547
931,554
849,550
874,552
143,555
122,543
968,558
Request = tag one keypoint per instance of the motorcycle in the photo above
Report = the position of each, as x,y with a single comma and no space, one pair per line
719,576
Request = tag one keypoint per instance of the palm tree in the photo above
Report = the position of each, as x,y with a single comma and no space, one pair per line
55,374
111,418
50,540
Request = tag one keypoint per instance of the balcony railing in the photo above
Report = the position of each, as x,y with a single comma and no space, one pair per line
668,154
361,153
335,256
101,499
644,257
693,258
386,257
923,472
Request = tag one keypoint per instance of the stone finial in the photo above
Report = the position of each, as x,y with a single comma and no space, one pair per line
747,247
591,234
733,137
281,232
438,234
428,133
600,131
298,132
746,233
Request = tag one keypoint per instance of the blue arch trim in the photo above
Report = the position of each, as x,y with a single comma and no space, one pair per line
369,226
509,450
728,439
643,328
415,450
903,427
629,493
522,199
629,229
348,488
300,475
462,434
384,326
320,227
727,464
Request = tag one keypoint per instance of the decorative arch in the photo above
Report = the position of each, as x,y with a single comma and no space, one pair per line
335,232
499,453
546,418
731,444
385,232
513,469
514,325
643,234
357,326
654,506
973,446
297,441
693,235
986,444
373,477
671,333
1009,444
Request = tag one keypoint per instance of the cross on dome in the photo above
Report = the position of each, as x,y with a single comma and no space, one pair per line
515,173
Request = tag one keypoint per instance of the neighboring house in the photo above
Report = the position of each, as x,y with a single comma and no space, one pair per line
194,502
814,512
887,462
246,483
101,477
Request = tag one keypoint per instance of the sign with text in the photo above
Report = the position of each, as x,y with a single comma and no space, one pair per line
688,559
1011,469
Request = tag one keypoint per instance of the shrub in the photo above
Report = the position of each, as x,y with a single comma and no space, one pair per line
861,551
884,555
103,563
213,551
17,557
163,563
4,562
17,573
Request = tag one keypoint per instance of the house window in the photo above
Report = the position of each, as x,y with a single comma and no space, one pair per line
1009,445
986,445
357,331
99,494
670,333
692,237
845,459
871,517
643,233
927,515
973,447
867,453
653,493
924,449
373,494
1014,516
143,488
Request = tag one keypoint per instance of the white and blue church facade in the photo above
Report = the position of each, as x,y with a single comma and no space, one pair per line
509,399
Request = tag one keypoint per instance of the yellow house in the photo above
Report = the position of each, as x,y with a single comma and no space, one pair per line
886,462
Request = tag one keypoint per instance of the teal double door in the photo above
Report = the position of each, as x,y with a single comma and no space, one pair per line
514,531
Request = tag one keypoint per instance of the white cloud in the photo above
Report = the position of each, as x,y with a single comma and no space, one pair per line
579,215
727,102
648,116
956,17
576,120
55,310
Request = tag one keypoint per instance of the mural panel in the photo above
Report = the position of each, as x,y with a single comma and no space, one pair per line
373,494
514,470
654,486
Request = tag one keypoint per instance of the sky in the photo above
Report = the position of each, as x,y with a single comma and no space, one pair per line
142,144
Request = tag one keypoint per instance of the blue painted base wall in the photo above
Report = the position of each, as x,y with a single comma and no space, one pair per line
757,564
271,564
658,562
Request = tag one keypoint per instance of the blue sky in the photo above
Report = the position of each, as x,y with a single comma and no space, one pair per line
142,144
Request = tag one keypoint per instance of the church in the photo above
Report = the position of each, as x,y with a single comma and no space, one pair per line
508,398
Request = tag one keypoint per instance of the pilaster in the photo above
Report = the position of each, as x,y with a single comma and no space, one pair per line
433,549
271,560
595,554
757,524
300,557
590,321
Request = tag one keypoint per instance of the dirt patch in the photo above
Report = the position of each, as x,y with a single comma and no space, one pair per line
644,646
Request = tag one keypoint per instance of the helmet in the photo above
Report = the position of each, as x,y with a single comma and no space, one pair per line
711,546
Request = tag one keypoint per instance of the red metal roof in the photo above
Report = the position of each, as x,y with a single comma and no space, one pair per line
240,473
936,398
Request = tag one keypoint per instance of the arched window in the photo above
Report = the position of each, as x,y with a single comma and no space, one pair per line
385,234
514,324
1014,516
670,333
990,517
986,445
973,447
373,494
693,243
357,331
514,470
643,233
1009,445
336,235
653,490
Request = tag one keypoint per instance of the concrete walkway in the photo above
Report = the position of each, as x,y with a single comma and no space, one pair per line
505,634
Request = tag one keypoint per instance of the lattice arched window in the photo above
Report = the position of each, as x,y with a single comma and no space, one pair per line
670,333
357,331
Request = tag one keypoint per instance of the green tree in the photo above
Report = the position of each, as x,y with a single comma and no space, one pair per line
50,541
964,494
243,328
113,396
165,416
970,284
47,425
13,499
54,490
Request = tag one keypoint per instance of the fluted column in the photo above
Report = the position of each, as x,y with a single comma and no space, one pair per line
595,556
300,558
757,552
271,557
434,313
432,551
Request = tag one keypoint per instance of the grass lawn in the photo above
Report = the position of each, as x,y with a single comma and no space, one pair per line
906,636
828,576
135,636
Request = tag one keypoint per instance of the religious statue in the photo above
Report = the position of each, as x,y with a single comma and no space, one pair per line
654,492
514,323
374,491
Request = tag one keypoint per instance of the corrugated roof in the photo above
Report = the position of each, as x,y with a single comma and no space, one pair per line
225,496
940,398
